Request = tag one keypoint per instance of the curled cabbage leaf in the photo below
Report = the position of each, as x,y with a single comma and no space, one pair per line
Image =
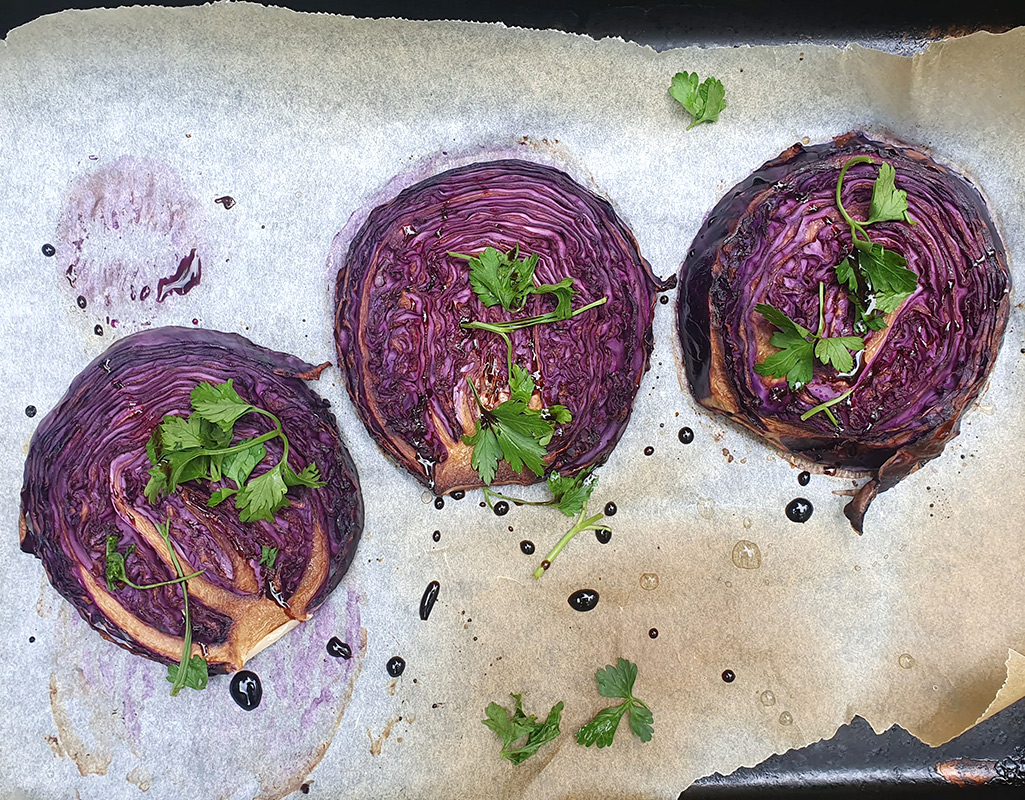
400,298
774,237
85,475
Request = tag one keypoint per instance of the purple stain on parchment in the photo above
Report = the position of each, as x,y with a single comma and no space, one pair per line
129,235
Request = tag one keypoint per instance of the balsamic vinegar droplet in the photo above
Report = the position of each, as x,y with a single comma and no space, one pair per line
30,411
610,509
338,649
663,299
458,494
799,510
501,508
603,536
804,478
653,633
527,547
583,600
246,689
728,676
428,600
649,450
49,250
686,435
436,536
395,666
98,330
439,503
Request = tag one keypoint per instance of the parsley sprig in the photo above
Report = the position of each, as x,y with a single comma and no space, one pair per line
617,682
512,431
704,102
116,565
198,447
512,728
876,279
799,348
504,279
268,555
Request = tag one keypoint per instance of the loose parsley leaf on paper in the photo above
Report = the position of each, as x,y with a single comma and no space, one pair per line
704,102
512,728
617,682
198,447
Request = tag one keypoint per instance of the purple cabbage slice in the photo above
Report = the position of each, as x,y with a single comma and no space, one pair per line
774,237
400,299
87,468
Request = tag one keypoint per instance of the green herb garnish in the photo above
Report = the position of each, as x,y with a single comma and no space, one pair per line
504,279
511,729
194,674
569,494
198,447
583,523
876,279
704,102
116,565
268,555
617,682
799,348
513,432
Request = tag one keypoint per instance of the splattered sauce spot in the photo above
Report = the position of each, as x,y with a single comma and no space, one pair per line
128,233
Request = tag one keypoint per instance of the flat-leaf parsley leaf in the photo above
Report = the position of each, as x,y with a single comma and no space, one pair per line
703,101
617,682
510,728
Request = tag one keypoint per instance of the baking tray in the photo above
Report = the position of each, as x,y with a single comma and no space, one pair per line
990,758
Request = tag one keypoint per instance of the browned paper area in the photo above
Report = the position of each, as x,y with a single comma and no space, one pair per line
303,119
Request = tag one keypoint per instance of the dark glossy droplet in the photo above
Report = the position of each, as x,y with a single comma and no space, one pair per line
663,299
603,536
649,450
686,435
653,633
98,330
501,508
799,510
49,250
430,597
81,302
227,201
338,649
458,494
436,536
610,509
527,547
30,411
439,503
728,676
395,666
804,478
583,600
31,639
246,689
305,788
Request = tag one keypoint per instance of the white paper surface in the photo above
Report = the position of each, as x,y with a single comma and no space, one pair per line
303,120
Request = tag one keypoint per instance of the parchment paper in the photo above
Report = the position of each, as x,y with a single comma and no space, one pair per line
303,119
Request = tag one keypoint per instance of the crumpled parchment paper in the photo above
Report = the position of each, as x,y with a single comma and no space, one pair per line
302,120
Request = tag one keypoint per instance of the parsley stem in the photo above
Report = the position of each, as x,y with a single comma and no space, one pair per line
179,679
856,227
490,494
826,406
589,524
127,582
822,310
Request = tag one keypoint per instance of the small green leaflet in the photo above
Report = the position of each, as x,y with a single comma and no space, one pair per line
617,682
504,279
268,555
888,202
704,102
514,727
198,447
570,494
513,432
196,673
